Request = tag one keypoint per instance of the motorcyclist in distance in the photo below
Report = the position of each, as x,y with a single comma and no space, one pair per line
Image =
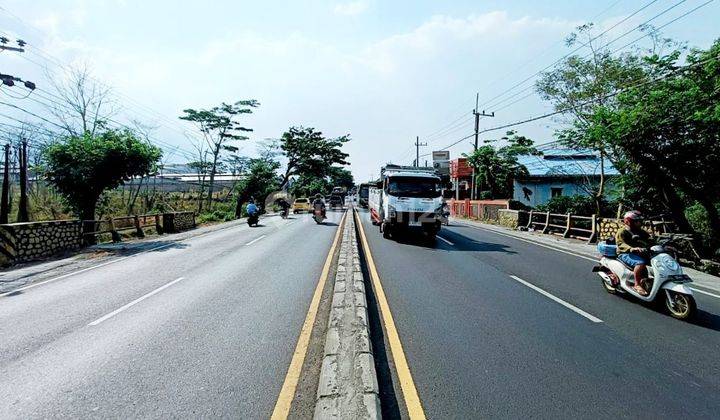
251,208
319,203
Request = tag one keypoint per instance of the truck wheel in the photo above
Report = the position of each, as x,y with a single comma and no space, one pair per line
385,229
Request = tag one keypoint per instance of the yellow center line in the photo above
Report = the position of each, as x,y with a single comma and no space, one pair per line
412,400
287,393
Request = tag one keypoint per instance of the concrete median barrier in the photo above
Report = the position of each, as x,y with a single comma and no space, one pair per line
348,386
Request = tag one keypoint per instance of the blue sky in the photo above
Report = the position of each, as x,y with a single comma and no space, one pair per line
383,72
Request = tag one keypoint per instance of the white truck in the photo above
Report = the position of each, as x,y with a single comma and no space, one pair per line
407,196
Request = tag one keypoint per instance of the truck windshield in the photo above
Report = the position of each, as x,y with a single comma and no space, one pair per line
413,187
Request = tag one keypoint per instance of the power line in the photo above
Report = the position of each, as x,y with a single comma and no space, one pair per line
563,110
522,66
640,26
489,101
50,58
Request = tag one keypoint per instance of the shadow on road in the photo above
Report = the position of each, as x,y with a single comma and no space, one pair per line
123,250
460,242
706,320
463,243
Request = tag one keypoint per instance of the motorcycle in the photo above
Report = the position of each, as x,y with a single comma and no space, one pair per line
666,279
318,216
284,213
253,219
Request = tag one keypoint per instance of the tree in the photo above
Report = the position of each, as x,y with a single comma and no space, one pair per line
82,167
262,179
309,153
578,84
496,168
84,105
341,177
669,130
219,128
307,185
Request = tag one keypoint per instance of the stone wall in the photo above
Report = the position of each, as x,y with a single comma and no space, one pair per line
609,227
176,222
512,218
22,242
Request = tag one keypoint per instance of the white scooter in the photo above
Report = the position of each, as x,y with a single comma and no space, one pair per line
666,279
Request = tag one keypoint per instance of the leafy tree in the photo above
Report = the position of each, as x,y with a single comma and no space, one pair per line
669,130
341,177
262,179
307,185
219,129
579,84
82,167
496,168
308,152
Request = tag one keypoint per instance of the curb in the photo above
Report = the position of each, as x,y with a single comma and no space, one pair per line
348,386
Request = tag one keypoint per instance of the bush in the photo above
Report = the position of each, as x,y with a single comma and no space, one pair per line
222,212
575,204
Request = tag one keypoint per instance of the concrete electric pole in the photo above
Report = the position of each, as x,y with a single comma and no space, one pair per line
417,150
477,132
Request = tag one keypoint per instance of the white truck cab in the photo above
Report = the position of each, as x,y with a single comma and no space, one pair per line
408,196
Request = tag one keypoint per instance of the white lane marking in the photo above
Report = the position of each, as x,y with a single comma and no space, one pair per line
558,300
30,286
445,240
255,240
563,251
705,293
140,299
534,243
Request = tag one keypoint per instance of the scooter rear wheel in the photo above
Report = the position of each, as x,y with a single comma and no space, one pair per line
680,305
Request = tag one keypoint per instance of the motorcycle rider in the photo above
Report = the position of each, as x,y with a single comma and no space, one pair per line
633,244
284,205
251,208
319,203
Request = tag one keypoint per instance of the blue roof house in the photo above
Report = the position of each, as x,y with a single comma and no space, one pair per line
560,171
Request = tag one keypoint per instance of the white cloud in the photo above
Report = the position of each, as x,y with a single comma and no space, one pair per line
446,35
351,8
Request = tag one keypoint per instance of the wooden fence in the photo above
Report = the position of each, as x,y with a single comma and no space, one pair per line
565,225
588,228
115,225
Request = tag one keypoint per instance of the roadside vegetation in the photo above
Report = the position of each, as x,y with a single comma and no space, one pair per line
652,113
88,167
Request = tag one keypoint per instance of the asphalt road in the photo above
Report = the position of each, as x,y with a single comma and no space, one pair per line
205,327
483,344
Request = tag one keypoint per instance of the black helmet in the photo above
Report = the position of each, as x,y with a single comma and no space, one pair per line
318,195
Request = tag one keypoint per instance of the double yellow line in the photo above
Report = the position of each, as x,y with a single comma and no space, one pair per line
412,400
287,393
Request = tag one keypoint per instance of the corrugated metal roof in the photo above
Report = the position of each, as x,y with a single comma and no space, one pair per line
559,161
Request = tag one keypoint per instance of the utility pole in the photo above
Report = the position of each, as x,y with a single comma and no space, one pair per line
5,47
5,202
417,150
23,215
477,132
